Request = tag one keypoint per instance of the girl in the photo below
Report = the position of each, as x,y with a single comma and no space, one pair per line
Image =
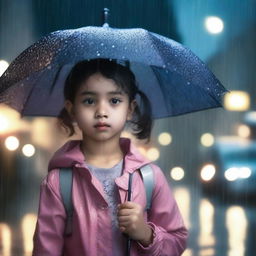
100,98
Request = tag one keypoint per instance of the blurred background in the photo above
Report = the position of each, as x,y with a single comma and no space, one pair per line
208,157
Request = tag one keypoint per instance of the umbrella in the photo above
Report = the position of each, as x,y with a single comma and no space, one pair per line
175,80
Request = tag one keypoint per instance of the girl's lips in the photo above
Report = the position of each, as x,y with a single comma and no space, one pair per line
101,125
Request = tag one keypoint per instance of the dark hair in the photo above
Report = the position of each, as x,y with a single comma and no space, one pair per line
123,77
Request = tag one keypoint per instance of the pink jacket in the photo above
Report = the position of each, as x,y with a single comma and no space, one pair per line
92,234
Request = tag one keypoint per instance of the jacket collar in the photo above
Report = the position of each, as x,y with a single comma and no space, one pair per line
70,155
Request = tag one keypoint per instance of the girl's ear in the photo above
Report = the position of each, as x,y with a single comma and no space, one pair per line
69,107
131,109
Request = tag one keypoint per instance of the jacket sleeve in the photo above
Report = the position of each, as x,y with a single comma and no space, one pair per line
169,232
48,236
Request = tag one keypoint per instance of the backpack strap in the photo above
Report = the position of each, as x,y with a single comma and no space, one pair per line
66,180
148,180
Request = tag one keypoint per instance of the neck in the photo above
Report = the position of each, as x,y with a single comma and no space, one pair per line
102,152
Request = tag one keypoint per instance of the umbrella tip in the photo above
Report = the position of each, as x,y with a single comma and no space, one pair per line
105,17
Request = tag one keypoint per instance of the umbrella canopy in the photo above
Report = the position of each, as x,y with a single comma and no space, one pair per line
175,80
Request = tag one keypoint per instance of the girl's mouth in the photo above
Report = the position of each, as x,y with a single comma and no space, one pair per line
101,126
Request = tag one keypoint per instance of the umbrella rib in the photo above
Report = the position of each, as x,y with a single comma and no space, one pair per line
159,82
55,79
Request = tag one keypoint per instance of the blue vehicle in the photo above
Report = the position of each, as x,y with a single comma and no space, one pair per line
231,169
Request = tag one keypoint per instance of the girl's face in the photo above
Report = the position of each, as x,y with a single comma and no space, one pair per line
100,108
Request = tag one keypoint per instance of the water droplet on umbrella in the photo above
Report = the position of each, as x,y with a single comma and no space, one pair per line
102,44
98,53
125,47
188,83
164,66
113,46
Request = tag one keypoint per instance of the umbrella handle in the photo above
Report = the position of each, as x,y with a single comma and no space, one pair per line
128,242
105,17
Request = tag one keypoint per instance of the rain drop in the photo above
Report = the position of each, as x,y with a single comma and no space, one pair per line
125,47
164,66
113,46
98,53
188,83
102,44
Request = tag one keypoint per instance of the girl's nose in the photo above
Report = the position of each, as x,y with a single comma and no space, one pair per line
101,111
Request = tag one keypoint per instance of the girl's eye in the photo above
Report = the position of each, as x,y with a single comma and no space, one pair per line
115,101
88,101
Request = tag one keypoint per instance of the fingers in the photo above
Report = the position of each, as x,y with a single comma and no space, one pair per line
127,205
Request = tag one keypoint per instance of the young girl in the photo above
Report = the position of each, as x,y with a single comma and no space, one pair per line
100,98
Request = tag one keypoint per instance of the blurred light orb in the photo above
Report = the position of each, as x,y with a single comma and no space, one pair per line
244,131
214,24
207,172
12,143
126,134
28,225
237,101
165,138
177,173
153,154
3,66
4,124
142,151
28,150
232,174
207,139
245,172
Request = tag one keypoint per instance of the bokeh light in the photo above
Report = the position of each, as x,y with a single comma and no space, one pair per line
207,139
153,154
237,101
177,173
12,143
245,172
232,174
28,225
28,150
4,123
165,138
214,25
207,172
244,131
3,66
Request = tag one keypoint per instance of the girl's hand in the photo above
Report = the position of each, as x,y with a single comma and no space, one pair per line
131,222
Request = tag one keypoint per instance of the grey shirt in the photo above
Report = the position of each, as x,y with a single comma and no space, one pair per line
107,177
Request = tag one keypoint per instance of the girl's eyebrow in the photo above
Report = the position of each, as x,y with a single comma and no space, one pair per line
95,93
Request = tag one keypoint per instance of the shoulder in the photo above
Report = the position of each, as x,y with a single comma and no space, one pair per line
160,180
51,181
157,171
